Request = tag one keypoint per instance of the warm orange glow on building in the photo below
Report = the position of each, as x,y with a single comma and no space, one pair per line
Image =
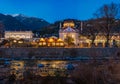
50,40
42,39
68,24
60,40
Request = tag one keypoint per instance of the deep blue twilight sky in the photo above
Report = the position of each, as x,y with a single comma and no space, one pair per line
53,10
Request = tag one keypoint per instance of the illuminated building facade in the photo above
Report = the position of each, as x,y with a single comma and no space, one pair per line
49,42
69,29
19,34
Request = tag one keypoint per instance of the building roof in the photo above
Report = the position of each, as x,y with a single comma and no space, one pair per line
69,29
18,31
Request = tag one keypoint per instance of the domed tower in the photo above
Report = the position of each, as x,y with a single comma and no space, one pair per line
68,29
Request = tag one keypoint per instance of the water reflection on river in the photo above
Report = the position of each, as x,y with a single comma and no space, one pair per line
38,67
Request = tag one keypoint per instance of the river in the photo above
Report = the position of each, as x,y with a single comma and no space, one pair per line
39,67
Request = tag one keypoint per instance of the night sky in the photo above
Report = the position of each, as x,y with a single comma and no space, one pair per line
53,10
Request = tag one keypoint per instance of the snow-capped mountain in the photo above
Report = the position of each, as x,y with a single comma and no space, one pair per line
34,22
21,22
14,15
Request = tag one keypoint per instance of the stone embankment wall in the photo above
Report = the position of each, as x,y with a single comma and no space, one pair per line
58,52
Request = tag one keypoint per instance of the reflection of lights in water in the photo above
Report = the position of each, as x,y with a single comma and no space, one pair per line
50,67
54,66
17,67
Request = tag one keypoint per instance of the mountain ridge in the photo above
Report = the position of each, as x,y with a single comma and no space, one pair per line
21,22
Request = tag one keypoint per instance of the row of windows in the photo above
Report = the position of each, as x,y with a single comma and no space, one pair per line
73,36
49,44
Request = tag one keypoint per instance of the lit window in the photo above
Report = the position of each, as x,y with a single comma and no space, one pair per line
53,44
57,44
73,36
40,43
20,41
64,36
44,43
14,41
61,44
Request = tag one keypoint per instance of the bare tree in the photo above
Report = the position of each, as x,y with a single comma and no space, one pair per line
107,15
91,29
1,29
